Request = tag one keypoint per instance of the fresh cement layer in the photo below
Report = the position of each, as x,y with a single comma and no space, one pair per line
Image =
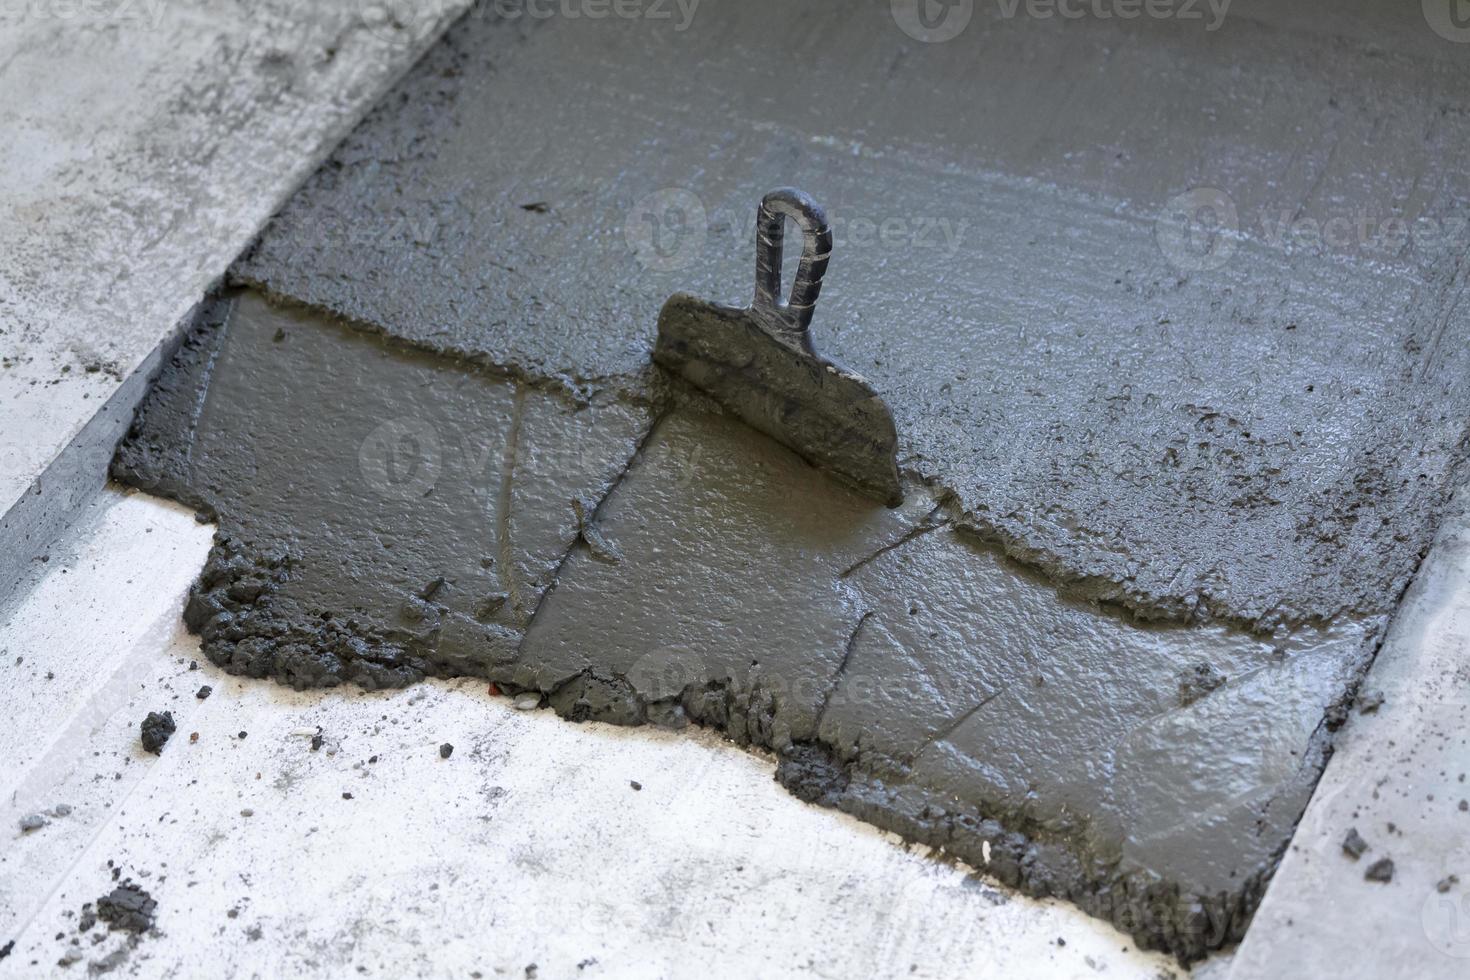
388,513
385,513
145,144
649,851
1257,427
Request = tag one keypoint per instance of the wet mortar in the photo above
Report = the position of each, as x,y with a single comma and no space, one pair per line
1268,442
1156,516
902,668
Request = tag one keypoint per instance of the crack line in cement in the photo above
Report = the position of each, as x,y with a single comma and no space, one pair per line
841,669
503,505
566,555
1444,321
921,529
944,735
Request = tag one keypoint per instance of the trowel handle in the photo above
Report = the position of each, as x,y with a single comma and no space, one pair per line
795,313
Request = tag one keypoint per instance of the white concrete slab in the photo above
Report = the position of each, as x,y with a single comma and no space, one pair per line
145,144
1399,777
529,845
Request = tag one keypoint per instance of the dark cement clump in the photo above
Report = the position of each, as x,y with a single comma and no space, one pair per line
127,907
157,728
1380,871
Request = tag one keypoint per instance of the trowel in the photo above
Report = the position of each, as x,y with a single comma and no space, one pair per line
759,361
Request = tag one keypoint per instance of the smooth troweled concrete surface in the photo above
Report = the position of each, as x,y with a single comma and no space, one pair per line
145,144
530,845
1399,779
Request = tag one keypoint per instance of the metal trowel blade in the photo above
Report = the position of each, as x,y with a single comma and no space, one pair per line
827,413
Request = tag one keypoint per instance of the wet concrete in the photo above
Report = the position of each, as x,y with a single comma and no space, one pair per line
385,514
1265,442
911,675
1158,507
672,565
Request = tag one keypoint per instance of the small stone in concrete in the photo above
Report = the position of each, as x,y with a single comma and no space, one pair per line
32,822
157,728
527,701
446,750
61,810
1353,844
1380,870
1445,884
635,784
247,812
204,692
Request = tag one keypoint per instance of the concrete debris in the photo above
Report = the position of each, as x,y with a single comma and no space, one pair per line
156,730
1380,870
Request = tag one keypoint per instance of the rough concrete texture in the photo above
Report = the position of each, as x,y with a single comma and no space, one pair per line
146,143
1264,439
388,513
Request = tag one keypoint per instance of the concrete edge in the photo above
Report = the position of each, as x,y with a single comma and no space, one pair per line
56,497
67,487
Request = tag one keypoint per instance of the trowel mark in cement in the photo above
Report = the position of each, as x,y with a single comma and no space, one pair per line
900,668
